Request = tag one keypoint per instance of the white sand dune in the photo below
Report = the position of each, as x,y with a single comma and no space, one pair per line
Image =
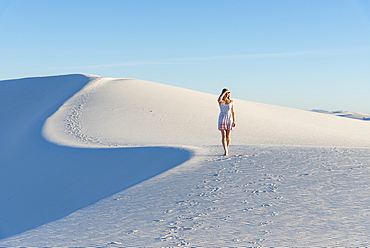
135,112
72,147
41,181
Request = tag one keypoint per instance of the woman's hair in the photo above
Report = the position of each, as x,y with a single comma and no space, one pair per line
226,96
224,90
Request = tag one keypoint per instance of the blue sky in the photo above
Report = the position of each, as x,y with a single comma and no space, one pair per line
303,54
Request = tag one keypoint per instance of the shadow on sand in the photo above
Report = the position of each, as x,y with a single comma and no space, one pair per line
41,182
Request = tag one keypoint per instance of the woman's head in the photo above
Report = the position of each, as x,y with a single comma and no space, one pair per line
227,95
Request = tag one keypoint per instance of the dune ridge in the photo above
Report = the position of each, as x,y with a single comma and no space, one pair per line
120,112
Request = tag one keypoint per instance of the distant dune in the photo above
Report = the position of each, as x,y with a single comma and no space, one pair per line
340,113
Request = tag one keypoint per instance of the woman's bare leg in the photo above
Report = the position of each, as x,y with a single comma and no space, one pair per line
224,142
228,132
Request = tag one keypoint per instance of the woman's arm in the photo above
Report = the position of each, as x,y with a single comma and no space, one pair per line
222,96
233,114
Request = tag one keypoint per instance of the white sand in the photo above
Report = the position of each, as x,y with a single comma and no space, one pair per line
134,112
296,178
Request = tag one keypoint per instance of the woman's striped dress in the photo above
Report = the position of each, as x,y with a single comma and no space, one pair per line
225,119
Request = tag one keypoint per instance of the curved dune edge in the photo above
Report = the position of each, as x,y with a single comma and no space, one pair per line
42,181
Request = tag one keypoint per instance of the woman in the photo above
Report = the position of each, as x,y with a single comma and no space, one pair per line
226,119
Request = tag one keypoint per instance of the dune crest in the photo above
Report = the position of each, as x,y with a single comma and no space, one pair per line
122,112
